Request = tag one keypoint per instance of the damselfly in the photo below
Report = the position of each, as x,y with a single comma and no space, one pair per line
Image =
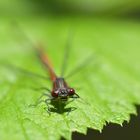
61,92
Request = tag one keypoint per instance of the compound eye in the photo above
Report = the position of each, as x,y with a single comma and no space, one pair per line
55,93
71,91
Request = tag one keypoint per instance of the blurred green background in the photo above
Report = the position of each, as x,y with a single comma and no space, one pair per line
82,7
108,25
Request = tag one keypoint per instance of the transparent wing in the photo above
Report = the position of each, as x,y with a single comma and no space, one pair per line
23,71
81,66
66,53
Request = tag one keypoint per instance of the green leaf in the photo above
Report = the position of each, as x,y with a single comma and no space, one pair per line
109,85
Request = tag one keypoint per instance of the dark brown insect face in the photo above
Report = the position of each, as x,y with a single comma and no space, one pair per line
63,93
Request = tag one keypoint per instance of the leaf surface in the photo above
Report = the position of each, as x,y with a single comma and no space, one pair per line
109,86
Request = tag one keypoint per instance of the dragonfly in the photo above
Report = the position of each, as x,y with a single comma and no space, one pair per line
61,93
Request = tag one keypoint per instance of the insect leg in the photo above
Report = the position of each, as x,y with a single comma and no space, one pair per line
44,94
81,99
47,103
43,88
40,101
37,103
76,96
71,109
